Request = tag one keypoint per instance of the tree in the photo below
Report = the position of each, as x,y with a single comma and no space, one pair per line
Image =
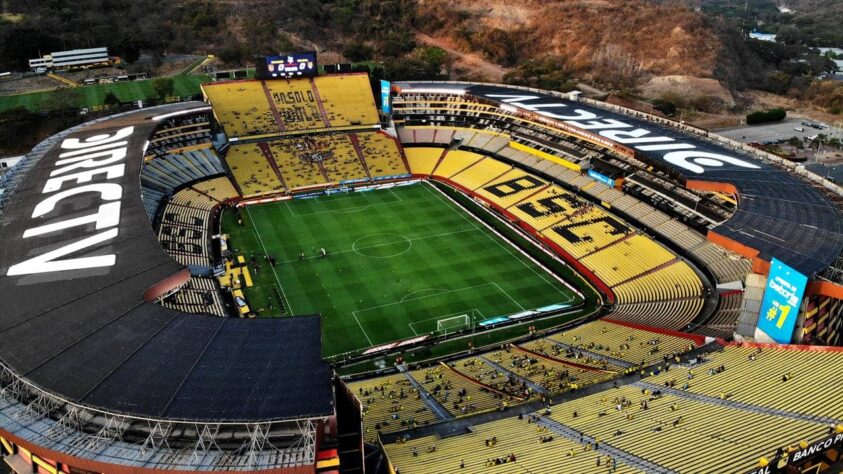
163,87
110,99
789,35
357,51
665,106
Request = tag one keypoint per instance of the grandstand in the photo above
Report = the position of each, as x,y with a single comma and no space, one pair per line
704,210
346,99
649,425
640,268
294,163
533,452
241,108
185,224
498,379
260,109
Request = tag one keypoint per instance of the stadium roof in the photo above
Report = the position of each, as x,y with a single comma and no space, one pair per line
79,265
778,214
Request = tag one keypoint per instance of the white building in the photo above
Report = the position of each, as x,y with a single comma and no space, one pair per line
763,36
69,59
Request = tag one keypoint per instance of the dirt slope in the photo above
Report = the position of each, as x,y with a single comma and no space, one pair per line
622,42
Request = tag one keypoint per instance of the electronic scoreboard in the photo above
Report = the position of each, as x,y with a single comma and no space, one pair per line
288,65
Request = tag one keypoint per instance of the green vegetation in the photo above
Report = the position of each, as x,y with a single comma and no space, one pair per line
93,96
547,73
812,23
772,115
398,261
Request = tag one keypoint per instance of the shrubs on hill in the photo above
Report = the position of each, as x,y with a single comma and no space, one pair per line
773,115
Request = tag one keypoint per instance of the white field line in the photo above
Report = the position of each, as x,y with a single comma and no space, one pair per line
522,252
277,280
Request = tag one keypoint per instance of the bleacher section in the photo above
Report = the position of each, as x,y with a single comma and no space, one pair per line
184,231
251,169
180,132
456,393
729,438
390,404
184,234
241,108
731,410
591,353
423,160
552,374
171,171
469,453
216,190
296,103
757,377
622,343
382,155
313,160
179,152
347,99
200,295
291,106
455,161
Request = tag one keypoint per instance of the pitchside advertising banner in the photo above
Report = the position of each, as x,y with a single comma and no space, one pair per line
795,458
780,306
386,86
602,178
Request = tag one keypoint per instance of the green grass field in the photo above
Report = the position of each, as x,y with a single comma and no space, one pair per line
398,260
92,96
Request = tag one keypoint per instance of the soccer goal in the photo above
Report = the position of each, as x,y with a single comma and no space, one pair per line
453,324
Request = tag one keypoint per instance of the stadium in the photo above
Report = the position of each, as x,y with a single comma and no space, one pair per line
309,273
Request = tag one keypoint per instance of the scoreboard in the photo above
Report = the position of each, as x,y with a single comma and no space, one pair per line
287,66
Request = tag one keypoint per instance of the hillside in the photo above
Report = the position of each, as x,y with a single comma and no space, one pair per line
617,43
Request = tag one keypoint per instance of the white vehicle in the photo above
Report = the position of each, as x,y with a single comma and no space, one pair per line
798,129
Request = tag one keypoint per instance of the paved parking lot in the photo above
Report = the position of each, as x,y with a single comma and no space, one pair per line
770,132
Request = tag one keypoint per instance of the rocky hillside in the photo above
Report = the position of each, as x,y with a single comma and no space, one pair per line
616,43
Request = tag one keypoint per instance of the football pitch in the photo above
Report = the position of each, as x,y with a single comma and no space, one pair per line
398,260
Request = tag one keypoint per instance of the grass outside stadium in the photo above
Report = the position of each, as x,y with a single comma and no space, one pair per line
398,260
94,95
184,85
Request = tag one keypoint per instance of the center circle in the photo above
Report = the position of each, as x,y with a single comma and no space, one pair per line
382,245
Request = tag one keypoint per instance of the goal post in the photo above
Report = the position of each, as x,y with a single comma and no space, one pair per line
452,324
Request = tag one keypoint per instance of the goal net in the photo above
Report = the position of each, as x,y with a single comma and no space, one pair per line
453,324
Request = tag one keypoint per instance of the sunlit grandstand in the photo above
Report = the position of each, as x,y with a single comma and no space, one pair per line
299,275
